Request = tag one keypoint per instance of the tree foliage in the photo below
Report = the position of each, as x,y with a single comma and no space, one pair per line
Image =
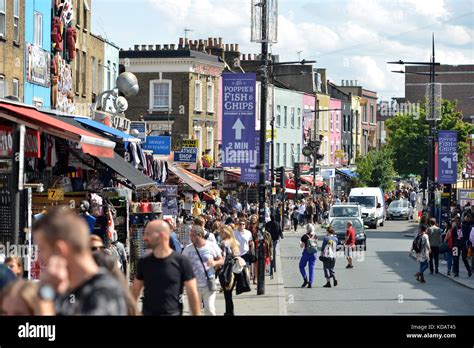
408,138
376,169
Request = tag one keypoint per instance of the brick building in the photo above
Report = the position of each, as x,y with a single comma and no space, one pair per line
457,84
178,89
12,48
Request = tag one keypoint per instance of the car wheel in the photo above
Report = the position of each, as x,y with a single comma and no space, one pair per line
408,218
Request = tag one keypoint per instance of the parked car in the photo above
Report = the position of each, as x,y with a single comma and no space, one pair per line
339,225
399,209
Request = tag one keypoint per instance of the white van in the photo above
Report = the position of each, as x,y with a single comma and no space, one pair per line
372,204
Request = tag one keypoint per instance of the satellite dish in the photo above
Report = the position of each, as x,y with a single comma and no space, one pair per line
127,84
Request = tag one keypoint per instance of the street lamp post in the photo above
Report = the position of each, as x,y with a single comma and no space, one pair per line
432,119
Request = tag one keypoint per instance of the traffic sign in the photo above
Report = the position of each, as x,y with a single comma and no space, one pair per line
238,114
447,157
140,126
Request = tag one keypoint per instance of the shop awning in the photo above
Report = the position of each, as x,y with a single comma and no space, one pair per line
108,130
127,171
195,181
309,180
32,118
347,172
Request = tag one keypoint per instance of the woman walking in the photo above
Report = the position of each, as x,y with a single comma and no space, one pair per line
230,250
328,257
309,243
295,215
421,245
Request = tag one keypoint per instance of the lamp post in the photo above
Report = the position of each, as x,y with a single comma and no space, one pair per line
432,118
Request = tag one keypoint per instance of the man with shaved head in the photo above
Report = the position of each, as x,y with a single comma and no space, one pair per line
164,273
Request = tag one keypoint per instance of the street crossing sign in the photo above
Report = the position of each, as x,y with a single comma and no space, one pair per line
447,157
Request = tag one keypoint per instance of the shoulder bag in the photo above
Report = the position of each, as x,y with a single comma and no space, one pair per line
211,282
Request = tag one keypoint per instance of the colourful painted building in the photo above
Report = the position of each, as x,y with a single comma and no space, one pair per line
309,101
334,130
324,126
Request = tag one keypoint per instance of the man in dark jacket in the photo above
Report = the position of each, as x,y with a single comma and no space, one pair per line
275,231
460,234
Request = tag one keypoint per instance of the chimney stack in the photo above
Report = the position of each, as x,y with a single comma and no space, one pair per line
172,47
227,47
342,83
232,47
166,47
181,43
352,83
150,47
356,83
216,43
347,82
210,42
136,47
143,47
221,45
237,47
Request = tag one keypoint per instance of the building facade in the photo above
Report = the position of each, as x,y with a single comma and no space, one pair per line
457,84
309,130
178,92
37,86
289,107
335,130
324,126
12,48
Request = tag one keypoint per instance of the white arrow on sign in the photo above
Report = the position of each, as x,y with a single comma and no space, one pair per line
447,160
239,127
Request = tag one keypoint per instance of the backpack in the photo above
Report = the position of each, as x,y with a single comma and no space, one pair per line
312,246
416,245
328,252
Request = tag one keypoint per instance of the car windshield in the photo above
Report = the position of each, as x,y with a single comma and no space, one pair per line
339,224
368,202
399,204
339,211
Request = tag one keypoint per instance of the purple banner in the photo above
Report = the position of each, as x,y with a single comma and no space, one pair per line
447,157
248,174
238,121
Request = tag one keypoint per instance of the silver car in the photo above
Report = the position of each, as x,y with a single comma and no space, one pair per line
399,209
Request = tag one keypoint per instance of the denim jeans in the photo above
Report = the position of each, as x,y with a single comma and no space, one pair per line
305,259
423,266
448,255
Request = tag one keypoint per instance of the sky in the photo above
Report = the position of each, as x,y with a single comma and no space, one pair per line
352,39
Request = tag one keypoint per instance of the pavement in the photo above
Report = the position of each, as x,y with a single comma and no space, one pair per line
382,281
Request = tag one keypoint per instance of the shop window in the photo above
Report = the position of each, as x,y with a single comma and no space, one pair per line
2,17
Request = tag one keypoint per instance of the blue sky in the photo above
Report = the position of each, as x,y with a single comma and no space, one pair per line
353,39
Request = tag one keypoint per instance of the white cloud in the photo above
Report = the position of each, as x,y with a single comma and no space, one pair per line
367,71
456,35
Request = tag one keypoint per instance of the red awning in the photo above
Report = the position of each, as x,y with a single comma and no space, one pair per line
32,118
309,180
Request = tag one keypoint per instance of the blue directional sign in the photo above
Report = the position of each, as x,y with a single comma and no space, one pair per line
447,157
248,172
186,155
160,145
140,126
238,120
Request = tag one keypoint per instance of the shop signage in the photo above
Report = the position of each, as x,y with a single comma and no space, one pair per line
32,142
56,194
186,155
140,126
38,62
447,157
251,174
160,145
190,143
238,113
207,70
122,123
339,153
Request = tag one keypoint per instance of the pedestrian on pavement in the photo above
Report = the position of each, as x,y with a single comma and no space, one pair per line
309,212
421,246
302,211
200,221
434,235
253,228
230,250
460,235
349,243
205,256
164,273
244,237
63,239
328,256
309,243
449,253
295,217
274,228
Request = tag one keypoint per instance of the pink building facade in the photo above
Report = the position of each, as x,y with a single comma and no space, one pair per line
335,121
309,105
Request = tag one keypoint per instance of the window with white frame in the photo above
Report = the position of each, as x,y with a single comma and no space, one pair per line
210,140
197,95
114,75
160,94
85,10
16,88
278,116
2,86
210,97
326,120
292,155
332,122
298,152
298,115
277,154
94,75
332,153
100,72
285,117
292,117
2,17
337,122
109,75
38,29
320,120
284,154
16,20
326,152
198,137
